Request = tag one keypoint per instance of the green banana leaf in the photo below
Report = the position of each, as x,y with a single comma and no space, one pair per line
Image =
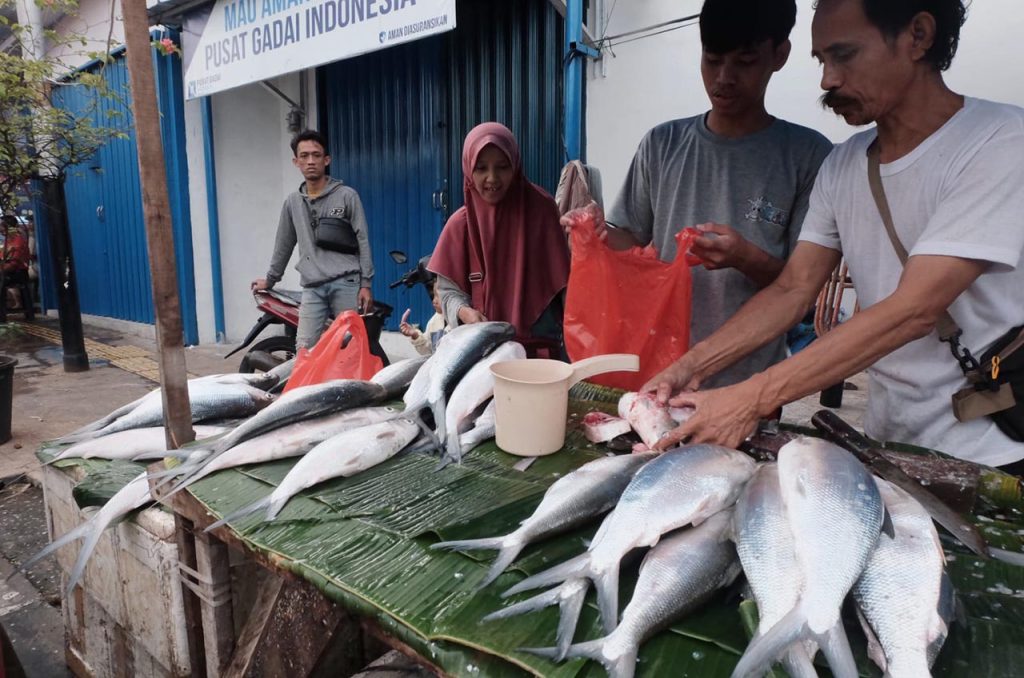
365,542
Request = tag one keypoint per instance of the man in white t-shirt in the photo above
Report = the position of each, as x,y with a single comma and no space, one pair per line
953,171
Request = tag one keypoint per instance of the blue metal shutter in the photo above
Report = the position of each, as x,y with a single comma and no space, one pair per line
105,204
396,119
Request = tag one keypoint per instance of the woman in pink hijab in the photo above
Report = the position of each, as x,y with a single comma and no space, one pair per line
503,256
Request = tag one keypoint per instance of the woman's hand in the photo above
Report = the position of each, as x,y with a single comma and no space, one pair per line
469,315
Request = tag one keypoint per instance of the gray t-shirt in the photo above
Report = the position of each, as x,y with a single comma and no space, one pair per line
683,174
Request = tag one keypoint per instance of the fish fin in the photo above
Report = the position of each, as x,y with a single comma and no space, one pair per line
571,596
765,648
887,526
623,666
241,513
572,568
707,508
538,602
836,648
489,544
440,426
607,584
66,538
875,651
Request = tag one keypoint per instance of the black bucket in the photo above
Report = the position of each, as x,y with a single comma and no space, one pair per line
6,396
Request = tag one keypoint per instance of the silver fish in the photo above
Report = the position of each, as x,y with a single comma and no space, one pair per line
683,486
456,354
129,498
293,440
904,593
572,500
305,402
679,574
396,377
473,390
343,455
764,543
836,514
207,399
129,444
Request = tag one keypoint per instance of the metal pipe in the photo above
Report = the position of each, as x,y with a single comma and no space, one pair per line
214,220
573,79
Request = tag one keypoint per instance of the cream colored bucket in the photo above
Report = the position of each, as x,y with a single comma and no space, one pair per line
531,399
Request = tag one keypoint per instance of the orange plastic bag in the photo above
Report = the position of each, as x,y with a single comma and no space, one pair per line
334,358
628,302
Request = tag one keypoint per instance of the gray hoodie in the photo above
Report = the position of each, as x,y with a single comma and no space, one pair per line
316,265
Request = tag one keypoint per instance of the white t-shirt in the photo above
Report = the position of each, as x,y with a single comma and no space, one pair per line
959,193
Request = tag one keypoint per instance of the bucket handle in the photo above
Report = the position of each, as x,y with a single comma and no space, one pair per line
599,364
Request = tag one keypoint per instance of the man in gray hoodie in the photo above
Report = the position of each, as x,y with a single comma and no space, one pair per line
332,281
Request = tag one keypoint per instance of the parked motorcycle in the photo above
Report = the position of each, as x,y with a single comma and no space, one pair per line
281,307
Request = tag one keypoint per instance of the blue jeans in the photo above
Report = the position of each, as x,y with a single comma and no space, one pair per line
323,302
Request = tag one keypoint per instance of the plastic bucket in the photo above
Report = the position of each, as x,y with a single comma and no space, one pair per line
6,396
531,399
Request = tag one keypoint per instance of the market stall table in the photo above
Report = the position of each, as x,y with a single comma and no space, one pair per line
362,547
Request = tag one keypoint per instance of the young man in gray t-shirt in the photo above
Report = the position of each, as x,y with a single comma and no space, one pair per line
737,173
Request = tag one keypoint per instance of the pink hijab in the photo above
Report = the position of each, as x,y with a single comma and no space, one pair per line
512,258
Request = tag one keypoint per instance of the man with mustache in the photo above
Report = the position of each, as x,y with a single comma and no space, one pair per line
740,175
952,170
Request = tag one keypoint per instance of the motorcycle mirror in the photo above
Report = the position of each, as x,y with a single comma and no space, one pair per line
398,256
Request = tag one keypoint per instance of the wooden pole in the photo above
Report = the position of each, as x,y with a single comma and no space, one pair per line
159,237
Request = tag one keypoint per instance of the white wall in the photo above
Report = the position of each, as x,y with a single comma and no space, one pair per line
657,79
254,174
92,21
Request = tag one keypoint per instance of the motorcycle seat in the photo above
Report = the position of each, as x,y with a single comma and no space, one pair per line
287,296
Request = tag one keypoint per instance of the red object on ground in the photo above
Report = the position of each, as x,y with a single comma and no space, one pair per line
343,352
628,302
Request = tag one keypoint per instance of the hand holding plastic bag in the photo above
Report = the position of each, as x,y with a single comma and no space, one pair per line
627,302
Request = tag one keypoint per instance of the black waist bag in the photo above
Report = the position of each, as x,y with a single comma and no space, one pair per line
1003,364
336,234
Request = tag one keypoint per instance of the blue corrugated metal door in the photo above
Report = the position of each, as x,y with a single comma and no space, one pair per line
395,121
104,203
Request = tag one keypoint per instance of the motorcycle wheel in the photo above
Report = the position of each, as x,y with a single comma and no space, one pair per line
280,349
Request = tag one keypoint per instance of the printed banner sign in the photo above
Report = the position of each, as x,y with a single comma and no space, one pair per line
246,41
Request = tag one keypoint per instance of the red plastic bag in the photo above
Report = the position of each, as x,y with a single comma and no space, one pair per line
628,302
334,358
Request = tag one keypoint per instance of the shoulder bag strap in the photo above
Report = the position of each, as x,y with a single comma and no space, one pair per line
947,327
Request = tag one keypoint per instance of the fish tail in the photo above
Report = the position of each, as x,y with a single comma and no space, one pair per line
62,455
836,648
538,602
52,547
797,662
241,513
453,449
157,455
607,584
84,552
570,604
623,666
570,569
506,554
765,648
275,503
489,544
